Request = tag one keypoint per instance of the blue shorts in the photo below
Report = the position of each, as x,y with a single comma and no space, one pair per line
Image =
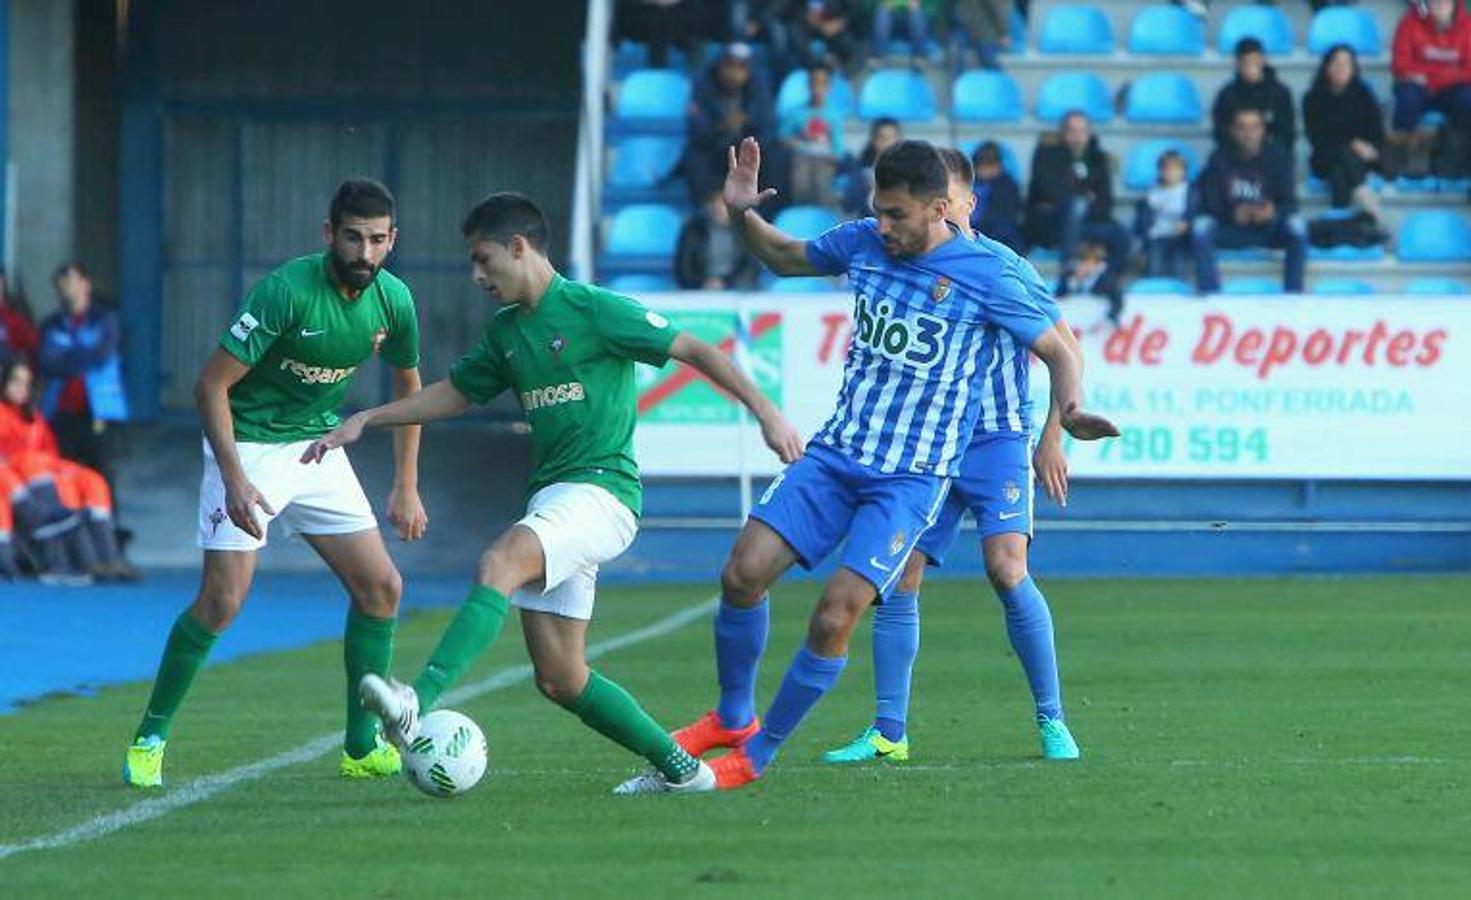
995,484
825,497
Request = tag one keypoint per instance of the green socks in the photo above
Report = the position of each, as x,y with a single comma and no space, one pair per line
186,651
474,627
367,646
611,711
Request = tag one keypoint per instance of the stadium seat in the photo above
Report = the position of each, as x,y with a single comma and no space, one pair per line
1436,235
1243,254
641,284
806,222
644,229
644,161
1267,24
1242,286
1067,91
986,96
1317,187
1166,31
654,97
1141,165
1346,252
809,285
898,93
1075,28
1163,98
794,93
1152,286
1350,25
1343,287
1441,286
1406,184
1018,31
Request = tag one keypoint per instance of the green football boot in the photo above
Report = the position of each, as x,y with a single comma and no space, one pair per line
382,761
870,746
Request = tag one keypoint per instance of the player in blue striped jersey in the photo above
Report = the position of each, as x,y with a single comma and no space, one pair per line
995,485
875,476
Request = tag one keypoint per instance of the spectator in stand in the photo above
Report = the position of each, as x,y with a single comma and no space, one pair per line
1431,63
660,24
81,358
766,22
829,22
18,335
709,255
1345,129
1163,220
998,209
1255,87
882,134
916,17
814,134
1247,197
29,448
731,101
1089,273
1070,196
980,28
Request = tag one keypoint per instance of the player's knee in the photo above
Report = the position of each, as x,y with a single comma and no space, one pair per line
380,595
560,687
740,584
1006,568
216,609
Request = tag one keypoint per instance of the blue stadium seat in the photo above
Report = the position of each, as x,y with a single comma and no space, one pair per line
1267,24
1405,184
806,222
1438,286
1345,252
641,284
986,96
809,285
1076,28
644,229
1163,97
794,93
640,162
1350,25
1243,254
1343,287
1166,31
1018,31
1152,286
1141,166
899,93
1317,187
654,98
1067,91
1435,235
1242,286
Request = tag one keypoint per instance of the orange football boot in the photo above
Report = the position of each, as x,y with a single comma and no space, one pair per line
733,770
708,733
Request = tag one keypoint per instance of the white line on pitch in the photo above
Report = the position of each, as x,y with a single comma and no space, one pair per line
202,789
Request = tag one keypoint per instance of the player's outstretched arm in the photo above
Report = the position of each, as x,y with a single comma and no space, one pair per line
405,507
1049,461
782,253
439,400
1066,372
779,434
212,394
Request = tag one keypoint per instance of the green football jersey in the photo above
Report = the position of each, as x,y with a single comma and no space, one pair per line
303,341
570,361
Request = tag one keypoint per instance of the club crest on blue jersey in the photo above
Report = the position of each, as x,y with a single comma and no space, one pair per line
941,292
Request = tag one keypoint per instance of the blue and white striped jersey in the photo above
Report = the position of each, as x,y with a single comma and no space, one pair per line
909,397
1005,373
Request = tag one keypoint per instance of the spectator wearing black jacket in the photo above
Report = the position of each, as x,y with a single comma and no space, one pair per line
731,101
1070,195
1345,128
1255,87
1246,197
709,255
998,209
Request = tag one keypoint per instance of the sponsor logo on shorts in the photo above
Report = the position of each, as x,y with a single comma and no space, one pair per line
244,326
1008,515
216,518
897,543
537,398
311,333
316,374
874,561
1011,492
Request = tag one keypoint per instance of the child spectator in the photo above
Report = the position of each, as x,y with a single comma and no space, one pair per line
1089,272
814,132
998,210
1163,219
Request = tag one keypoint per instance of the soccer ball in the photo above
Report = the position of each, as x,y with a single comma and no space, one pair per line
448,756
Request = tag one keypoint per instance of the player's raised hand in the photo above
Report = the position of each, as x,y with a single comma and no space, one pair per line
241,499
1086,426
784,440
346,433
406,512
1050,464
741,179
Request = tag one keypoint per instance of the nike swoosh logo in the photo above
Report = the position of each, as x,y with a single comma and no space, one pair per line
874,561
1004,516
305,333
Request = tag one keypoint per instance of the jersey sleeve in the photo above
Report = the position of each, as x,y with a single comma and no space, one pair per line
401,349
266,315
1015,309
631,329
480,374
830,252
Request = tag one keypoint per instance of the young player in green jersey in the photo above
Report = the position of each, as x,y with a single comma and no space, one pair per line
272,386
567,350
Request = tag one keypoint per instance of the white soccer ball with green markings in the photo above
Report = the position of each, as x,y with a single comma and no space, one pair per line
448,756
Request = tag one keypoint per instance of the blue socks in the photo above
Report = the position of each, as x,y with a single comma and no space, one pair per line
1029,625
807,679
895,646
740,639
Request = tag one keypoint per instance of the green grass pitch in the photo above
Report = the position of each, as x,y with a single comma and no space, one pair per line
1241,738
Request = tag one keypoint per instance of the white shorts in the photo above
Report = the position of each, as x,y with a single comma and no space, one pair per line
580,526
314,498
